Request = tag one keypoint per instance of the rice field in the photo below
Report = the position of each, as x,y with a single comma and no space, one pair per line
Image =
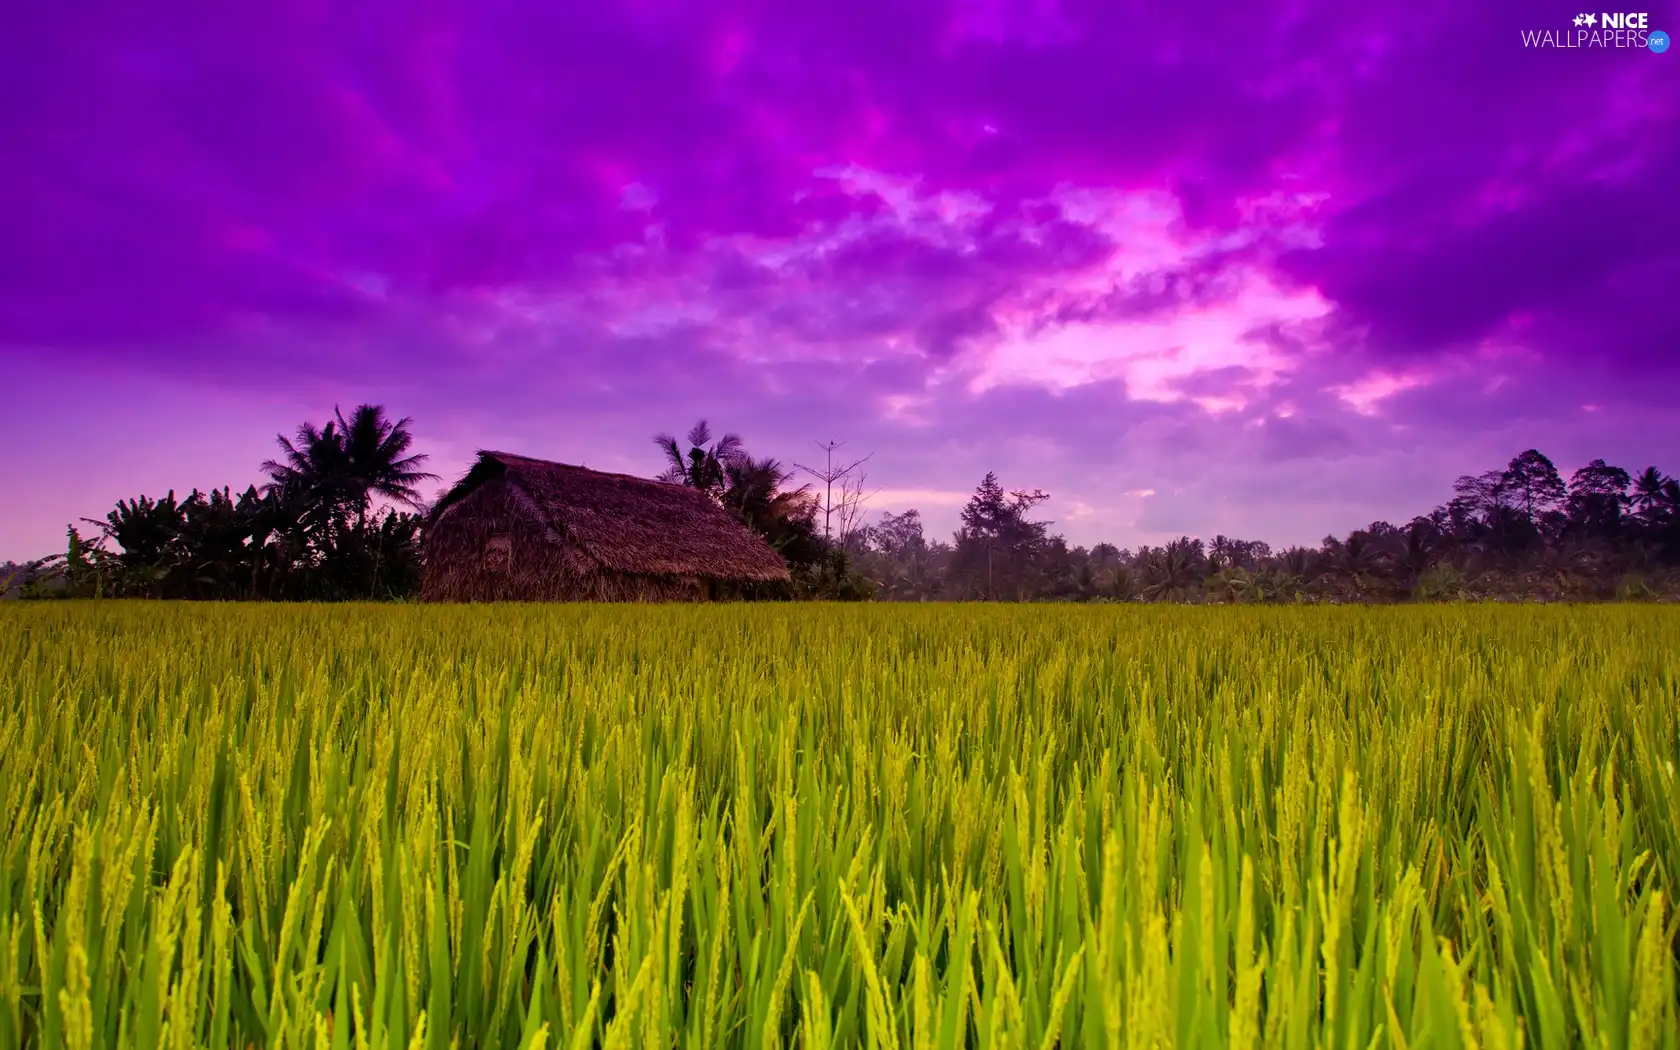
815,826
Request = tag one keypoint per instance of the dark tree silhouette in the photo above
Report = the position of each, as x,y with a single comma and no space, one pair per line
1535,487
1598,499
1648,494
376,460
343,466
998,543
310,533
703,466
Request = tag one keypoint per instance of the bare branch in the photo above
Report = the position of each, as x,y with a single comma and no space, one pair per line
849,508
828,475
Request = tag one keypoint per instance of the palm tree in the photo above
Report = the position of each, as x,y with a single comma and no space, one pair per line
785,518
1413,551
1227,552
753,490
1663,507
1358,560
315,465
1233,583
1174,572
1301,563
376,460
1647,491
702,467
1121,583
345,464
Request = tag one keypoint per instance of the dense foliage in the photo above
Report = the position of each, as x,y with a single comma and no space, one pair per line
340,518
312,532
758,492
403,826
1516,533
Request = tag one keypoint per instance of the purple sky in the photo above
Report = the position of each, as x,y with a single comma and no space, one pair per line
1270,270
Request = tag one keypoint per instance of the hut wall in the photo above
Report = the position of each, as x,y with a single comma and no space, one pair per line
621,587
494,546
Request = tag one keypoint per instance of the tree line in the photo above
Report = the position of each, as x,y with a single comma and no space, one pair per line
339,517
1521,532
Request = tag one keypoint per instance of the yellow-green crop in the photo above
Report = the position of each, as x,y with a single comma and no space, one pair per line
780,826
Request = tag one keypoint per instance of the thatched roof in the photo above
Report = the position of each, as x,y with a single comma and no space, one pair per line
629,524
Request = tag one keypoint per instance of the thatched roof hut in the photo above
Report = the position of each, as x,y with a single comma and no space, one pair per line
519,529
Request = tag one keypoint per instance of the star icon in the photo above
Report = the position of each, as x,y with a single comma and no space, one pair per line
1592,20
1580,20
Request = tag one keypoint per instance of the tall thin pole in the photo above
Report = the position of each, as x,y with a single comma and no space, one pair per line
828,475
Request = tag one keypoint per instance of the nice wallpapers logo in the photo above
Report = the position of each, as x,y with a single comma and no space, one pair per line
1605,29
